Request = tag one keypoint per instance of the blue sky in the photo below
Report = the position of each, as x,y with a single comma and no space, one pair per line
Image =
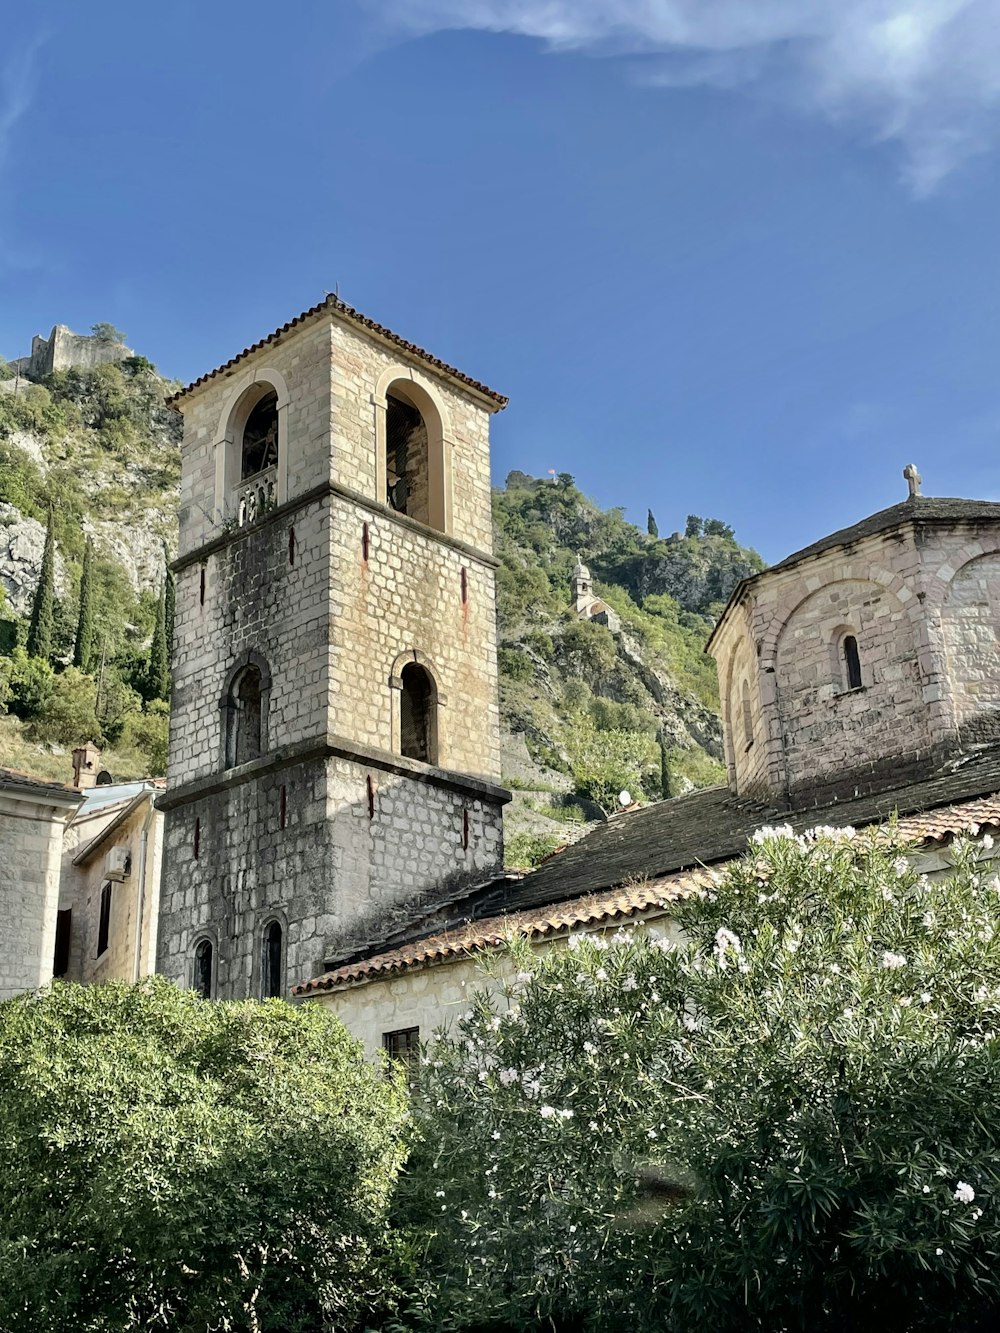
736,260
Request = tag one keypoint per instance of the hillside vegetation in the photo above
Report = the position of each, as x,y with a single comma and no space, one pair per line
89,473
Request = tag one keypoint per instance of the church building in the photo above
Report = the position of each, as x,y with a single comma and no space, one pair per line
334,732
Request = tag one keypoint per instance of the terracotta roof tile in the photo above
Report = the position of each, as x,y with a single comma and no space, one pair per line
334,306
625,900
461,941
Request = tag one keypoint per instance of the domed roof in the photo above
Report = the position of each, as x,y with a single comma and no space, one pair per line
580,570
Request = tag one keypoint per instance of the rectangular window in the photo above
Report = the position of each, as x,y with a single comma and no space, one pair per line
105,922
403,1045
60,960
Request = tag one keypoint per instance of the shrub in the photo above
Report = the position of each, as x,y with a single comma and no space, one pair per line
514,664
28,683
524,851
173,1163
784,1115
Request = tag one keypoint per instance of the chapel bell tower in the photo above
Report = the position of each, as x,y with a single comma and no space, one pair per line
334,743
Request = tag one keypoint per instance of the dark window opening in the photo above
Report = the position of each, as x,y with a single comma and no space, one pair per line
371,796
406,459
270,984
203,969
364,542
104,923
291,546
260,437
852,662
64,928
244,718
465,830
197,839
416,715
747,716
465,585
283,808
201,587
403,1045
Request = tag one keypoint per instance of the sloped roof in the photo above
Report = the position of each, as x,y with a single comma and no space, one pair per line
333,305
16,782
644,859
597,909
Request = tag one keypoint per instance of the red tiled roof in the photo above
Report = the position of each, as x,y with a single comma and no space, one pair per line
933,826
598,908
334,306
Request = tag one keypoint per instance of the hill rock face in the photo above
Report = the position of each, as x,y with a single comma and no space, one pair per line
95,451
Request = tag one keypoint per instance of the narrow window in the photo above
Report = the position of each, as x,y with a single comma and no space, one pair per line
852,662
364,542
370,782
270,972
465,830
104,923
260,438
197,839
201,587
282,808
64,926
747,716
203,969
406,459
244,721
416,715
402,1045
291,546
465,585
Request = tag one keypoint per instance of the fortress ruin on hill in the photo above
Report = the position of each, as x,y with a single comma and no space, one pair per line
63,348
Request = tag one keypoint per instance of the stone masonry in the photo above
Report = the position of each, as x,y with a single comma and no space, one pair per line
332,831
920,596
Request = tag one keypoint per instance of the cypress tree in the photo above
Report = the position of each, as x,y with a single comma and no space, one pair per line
651,527
83,647
665,790
43,605
169,604
158,676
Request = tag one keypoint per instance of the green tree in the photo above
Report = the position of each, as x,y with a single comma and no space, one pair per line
158,677
694,525
6,370
782,1113
175,1163
606,763
27,684
651,528
83,646
107,333
68,715
666,786
43,604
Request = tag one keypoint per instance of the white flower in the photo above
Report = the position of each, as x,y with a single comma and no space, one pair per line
651,1133
925,997
495,1134
590,1048
600,974
523,977
769,832
976,1214
900,865
987,842
927,1189
964,1193
593,1126
939,1251
844,834
532,1087
566,1114
439,1194
726,942
507,1077
892,960
493,1194
848,1013
547,1112
630,983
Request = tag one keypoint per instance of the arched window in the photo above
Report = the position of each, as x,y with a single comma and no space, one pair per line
270,961
417,715
245,712
747,716
260,438
852,662
203,961
407,481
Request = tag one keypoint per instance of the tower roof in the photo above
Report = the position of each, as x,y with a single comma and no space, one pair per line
580,570
333,305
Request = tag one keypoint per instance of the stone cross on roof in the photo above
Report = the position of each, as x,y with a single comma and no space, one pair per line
913,479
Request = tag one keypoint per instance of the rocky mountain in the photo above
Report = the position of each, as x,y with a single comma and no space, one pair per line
587,708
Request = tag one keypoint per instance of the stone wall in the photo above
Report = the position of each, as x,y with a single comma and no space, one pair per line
63,348
329,593
31,833
921,601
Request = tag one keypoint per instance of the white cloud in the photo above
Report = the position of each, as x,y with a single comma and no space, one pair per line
924,74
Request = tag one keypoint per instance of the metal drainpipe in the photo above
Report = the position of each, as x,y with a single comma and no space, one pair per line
141,888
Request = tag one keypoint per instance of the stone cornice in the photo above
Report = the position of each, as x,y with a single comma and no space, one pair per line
331,746
322,492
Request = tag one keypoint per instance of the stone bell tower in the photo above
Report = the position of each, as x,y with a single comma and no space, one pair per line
334,744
